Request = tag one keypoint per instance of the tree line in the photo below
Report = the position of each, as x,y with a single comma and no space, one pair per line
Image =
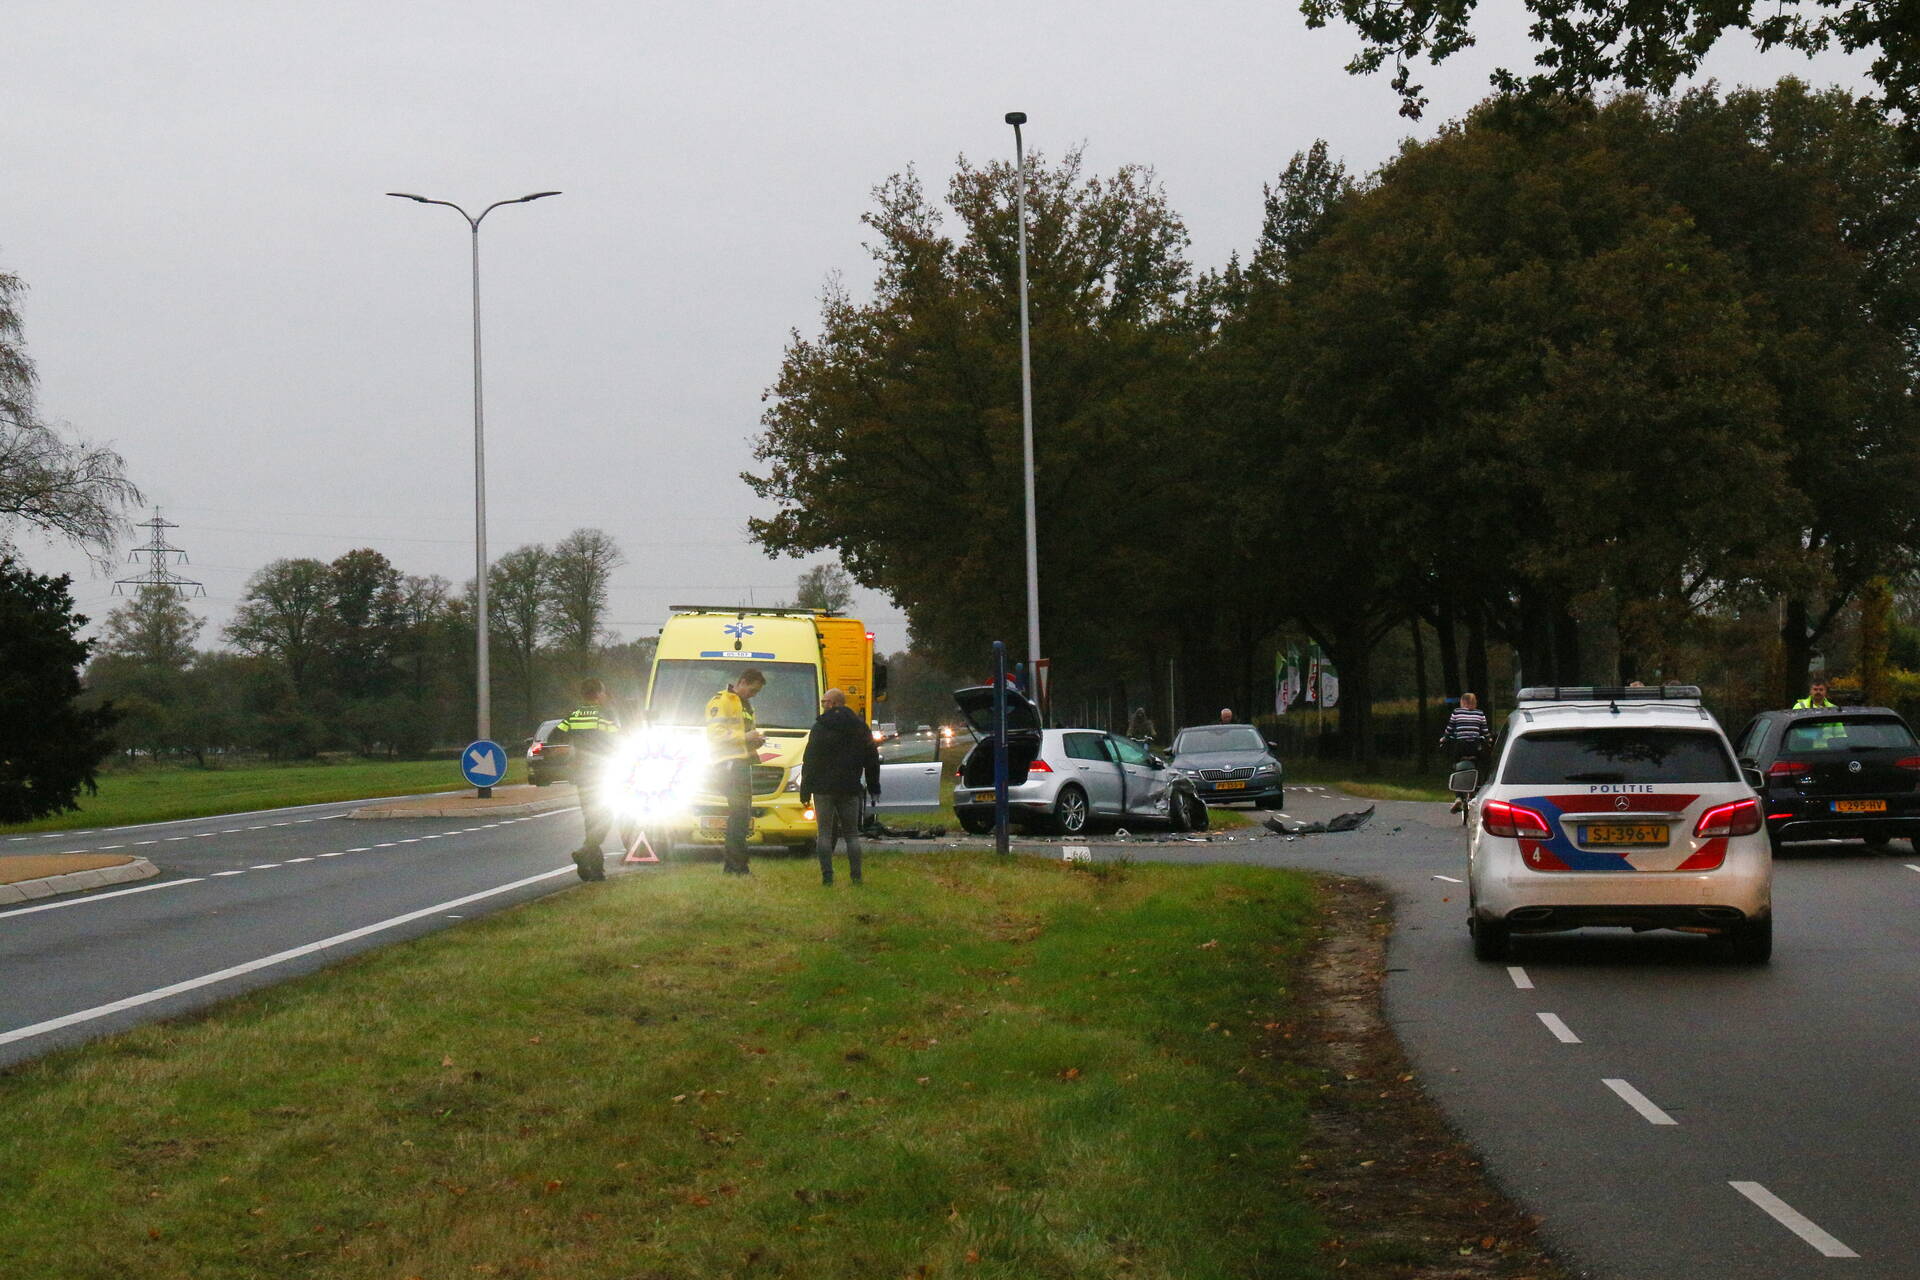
355,655
1566,388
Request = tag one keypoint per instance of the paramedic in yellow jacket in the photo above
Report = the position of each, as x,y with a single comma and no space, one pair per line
734,744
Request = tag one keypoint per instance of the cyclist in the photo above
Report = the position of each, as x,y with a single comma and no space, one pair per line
1469,734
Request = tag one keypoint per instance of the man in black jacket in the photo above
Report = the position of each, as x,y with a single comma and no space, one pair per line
840,755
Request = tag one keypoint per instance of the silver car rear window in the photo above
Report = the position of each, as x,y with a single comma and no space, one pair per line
1618,754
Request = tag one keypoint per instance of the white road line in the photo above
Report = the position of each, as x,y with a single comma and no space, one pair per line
105,847
263,866
291,861
75,902
1638,1101
138,843
261,827
358,849
1793,1220
283,824
1559,1028
264,962
1911,867
171,839
388,845
336,853
1448,879
230,873
1520,979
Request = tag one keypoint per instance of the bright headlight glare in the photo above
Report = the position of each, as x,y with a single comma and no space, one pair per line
657,773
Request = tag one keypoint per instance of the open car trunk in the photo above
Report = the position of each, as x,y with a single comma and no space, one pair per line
1023,735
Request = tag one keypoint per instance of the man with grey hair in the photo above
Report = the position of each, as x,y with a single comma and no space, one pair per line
840,756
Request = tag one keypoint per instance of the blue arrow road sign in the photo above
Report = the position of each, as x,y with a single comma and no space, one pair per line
484,764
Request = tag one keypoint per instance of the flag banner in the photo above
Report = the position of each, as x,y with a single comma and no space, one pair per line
1329,685
1279,683
1313,676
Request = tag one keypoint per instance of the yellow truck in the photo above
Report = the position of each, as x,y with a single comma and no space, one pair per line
802,653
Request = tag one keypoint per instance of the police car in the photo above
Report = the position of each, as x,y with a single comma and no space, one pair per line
1618,807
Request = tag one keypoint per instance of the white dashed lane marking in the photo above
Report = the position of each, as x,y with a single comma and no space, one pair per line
1448,879
97,897
1638,1101
339,853
1793,1220
263,866
1561,1031
291,861
1911,867
1520,979
242,871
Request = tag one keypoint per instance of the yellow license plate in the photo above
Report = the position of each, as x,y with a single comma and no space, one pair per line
1626,833
717,822
1859,806
1229,786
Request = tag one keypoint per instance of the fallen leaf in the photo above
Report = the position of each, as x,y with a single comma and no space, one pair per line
553,1185
1208,946
447,1061
1071,1073
698,1201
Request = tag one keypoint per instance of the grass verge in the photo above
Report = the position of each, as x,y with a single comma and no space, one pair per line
1390,780
970,1066
163,794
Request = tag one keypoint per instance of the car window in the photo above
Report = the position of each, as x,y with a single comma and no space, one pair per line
1220,737
1623,754
1750,739
1849,733
1085,746
1129,751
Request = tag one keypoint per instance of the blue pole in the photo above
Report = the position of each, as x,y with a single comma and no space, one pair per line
1000,747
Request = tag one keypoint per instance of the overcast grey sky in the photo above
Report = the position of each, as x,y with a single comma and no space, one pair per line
219,288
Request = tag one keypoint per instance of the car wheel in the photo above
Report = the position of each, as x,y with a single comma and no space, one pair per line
1196,812
1070,811
1489,939
1752,942
977,824
1878,844
1177,817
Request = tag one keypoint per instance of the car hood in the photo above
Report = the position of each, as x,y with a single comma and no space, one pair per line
1222,760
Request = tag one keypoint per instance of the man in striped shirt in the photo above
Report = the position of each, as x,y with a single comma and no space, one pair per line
1469,733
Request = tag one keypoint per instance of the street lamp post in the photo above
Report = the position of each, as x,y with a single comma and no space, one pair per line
1016,119
482,690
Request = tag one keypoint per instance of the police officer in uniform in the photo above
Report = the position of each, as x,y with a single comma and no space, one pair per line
734,743
592,730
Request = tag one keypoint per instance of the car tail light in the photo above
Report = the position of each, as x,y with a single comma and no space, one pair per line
538,748
1039,766
1791,769
1514,821
1911,762
1741,818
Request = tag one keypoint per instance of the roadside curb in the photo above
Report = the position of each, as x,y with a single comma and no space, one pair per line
73,881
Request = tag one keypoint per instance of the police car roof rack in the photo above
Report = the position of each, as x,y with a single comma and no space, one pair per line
1609,694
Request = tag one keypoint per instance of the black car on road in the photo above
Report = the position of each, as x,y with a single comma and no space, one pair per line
1229,763
1836,773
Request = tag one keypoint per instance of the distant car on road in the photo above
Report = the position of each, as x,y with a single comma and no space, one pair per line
1836,773
1618,807
885,731
547,761
1065,780
1229,763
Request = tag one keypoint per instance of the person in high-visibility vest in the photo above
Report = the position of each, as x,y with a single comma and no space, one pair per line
592,730
733,743
1816,699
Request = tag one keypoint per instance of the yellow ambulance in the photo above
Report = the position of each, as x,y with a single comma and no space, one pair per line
802,653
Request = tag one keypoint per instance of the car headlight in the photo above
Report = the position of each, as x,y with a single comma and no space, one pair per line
1267,768
657,774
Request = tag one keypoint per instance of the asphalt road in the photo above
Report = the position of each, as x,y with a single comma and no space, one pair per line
247,900
1666,1112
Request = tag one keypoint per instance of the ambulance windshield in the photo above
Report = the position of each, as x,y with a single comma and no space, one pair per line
683,686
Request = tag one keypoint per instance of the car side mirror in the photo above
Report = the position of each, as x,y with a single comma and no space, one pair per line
1755,779
1463,780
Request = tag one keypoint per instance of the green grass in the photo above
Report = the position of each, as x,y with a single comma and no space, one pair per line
163,793
971,1067
1389,779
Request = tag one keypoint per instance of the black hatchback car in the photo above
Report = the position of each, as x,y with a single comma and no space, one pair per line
1836,773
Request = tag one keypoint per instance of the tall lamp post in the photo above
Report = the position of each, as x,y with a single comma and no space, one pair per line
1016,119
482,691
